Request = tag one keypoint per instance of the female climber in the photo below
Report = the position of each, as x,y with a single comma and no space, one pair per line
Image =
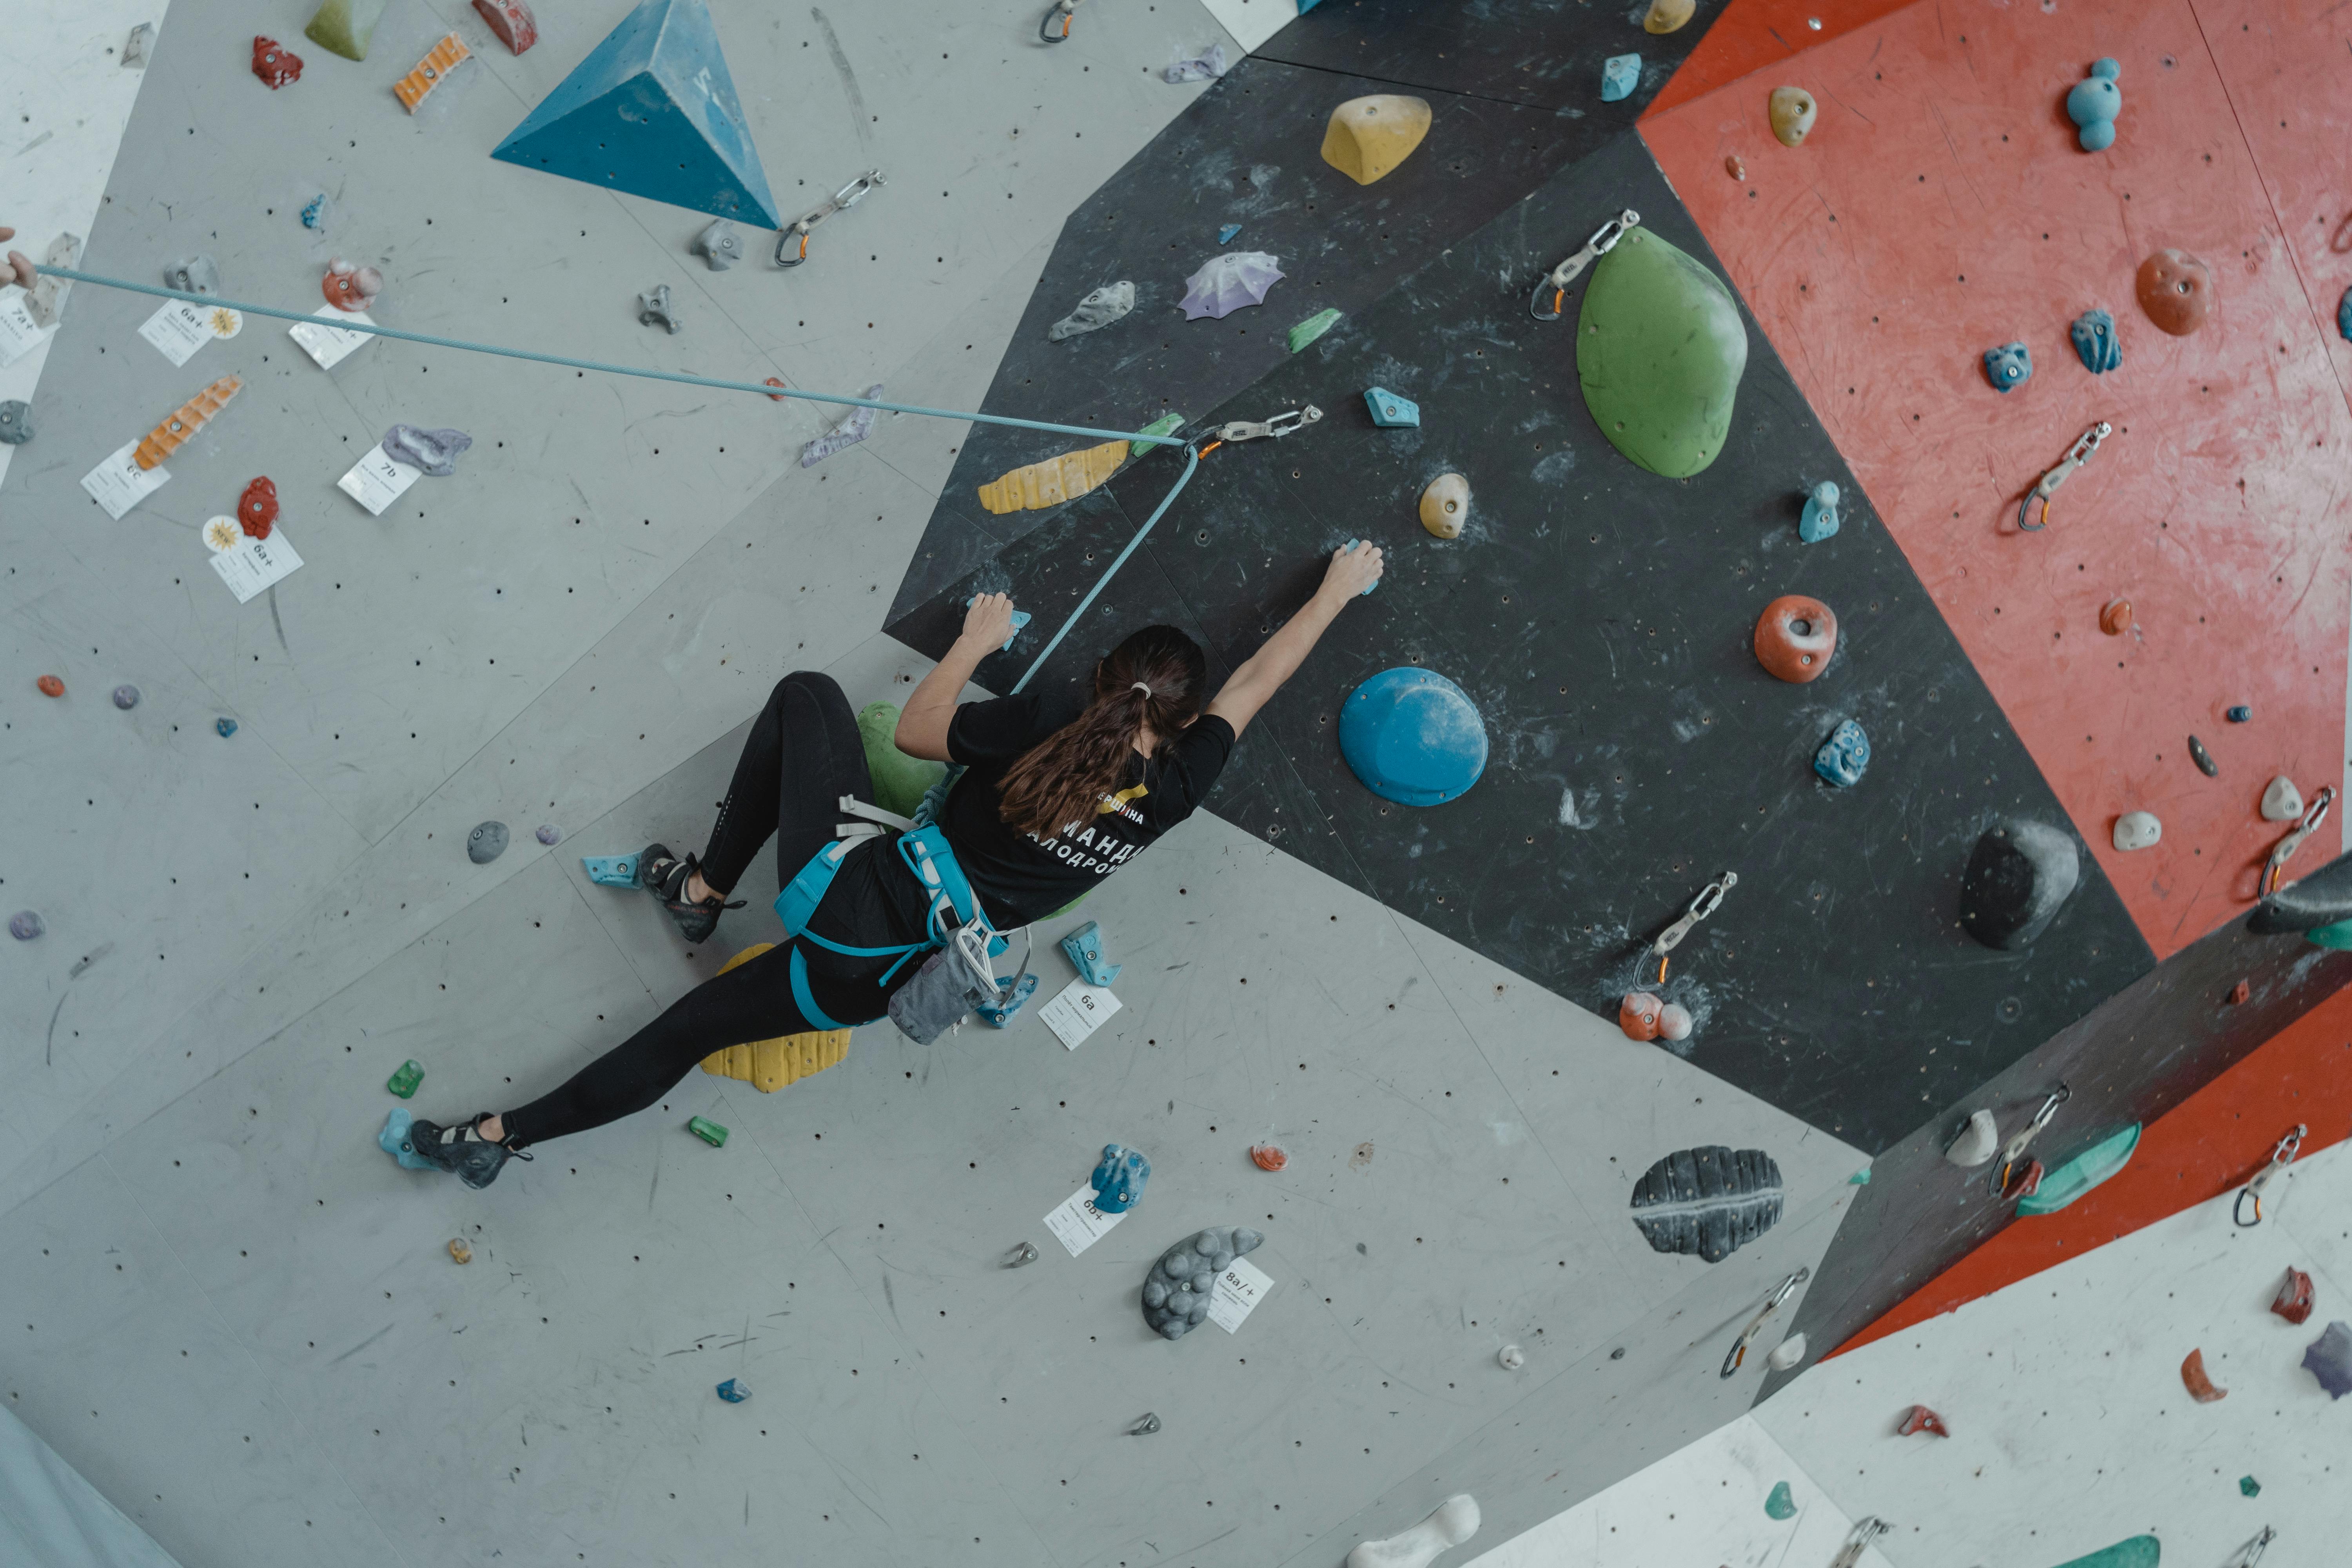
1050,804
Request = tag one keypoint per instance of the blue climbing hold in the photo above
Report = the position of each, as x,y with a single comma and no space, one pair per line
999,1014
1225,235
2007,367
225,728
1085,950
1821,518
1619,75
2344,314
2240,714
1020,619
611,870
1119,1180
314,215
1843,756
2093,104
393,1141
734,1390
652,110
1412,737
2094,332
1390,412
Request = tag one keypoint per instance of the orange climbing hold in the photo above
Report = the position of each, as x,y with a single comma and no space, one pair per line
2116,619
51,686
274,63
1919,1418
256,508
170,435
445,56
350,287
1268,1157
1054,480
2294,1299
1639,1016
2200,1387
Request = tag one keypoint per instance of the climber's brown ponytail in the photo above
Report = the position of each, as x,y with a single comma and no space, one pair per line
1154,677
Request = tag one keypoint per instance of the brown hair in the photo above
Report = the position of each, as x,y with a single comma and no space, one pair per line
1063,778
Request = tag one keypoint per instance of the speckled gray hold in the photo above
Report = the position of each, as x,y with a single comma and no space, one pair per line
15,422
653,309
25,925
719,245
194,275
1709,1201
435,451
126,696
1176,1291
485,843
1097,310
549,833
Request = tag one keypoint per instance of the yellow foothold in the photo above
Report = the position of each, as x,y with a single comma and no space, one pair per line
459,1250
770,1065
1665,15
1367,137
1054,480
1792,110
1445,506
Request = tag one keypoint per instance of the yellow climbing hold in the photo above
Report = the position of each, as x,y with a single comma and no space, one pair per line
1053,481
769,1065
1367,137
1665,15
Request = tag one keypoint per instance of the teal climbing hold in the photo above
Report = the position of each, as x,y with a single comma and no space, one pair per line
2139,1551
1619,74
652,110
1312,328
2080,1174
611,870
1780,1505
1083,949
2093,104
1390,412
393,1141
1412,737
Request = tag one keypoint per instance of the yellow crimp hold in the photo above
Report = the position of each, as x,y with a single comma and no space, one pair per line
769,1065
167,438
446,56
1053,481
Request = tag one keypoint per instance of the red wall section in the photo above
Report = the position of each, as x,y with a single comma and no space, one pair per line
1753,34
1942,207
2210,1144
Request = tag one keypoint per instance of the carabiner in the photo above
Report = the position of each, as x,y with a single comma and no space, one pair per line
842,200
2249,1554
1281,424
1061,9
2076,456
1604,240
2015,1149
2281,1158
1739,1351
1869,1529
1709,900
2312,816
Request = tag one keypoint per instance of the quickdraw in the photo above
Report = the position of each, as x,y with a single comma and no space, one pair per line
1705,903
2015,1149
1739,1351
1058,12
2249,1554
1604,239
2076,456
2281,1158
2274,869
1869,1529
842,200
1289,422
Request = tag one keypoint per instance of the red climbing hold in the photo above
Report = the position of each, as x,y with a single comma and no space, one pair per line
1639,1015
2193,1377
2294,1299
2239,992
51,686
274,63
350,287
1268,1157
1919,1418
776,396
511,20
256,508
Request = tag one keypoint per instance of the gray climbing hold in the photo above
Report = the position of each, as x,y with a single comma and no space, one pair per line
134,48
1975,1142
847,434
126,696
2008,366
2018,876
1176,1291
485,843
15,423
1095,312
1207,66
1145,1427
2282,802
25,925
1821,515
2093,333
1620,75
549,833
2137,830
192,274
435,451
719,245
1710,1201
654,309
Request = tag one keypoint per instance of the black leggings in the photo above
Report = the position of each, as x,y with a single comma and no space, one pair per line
804,753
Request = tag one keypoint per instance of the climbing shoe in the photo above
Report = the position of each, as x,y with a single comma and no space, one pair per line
461,1151
665,875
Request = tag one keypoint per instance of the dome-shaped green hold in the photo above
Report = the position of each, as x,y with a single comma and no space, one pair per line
1659,348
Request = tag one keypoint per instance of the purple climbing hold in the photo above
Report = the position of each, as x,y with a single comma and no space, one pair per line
435,451
549,833
126,696
2329,1359
25,925
1229,282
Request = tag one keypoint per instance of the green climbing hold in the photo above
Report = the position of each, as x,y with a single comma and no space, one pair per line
1659,348
1780,1505
1166,424
710,1131
2139,1551
345,26
2247,1485
1312,328
2080,1174
899,780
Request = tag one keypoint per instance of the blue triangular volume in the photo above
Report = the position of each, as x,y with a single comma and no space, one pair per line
652,112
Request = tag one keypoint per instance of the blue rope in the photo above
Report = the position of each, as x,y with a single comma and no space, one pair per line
1191,461
440,342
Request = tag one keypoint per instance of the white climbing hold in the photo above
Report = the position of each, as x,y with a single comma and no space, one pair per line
2282,802
1097,310
1675,1021
1511,1357
2137,830
1975,1142
1787,1353
1453,1521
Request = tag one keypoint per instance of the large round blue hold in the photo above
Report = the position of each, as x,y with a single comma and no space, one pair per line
1414,737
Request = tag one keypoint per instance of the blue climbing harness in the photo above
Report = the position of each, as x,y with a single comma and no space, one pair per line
955,919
